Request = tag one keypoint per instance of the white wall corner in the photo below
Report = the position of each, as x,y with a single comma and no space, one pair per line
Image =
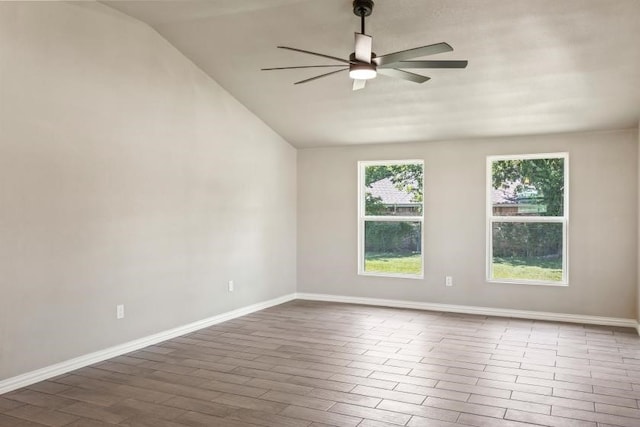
47,372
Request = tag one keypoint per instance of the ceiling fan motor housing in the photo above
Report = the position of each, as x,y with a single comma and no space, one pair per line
362,7
359,70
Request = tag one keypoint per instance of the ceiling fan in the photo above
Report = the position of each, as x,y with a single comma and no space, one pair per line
364,65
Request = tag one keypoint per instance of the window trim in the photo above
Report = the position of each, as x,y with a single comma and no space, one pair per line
491,219
363,218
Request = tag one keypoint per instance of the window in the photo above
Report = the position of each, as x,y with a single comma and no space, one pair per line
390,216
527,218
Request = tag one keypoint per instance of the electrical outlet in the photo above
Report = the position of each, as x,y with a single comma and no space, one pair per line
231,286
120,311
448,281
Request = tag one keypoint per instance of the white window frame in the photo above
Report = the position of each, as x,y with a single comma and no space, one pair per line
564,220
362,218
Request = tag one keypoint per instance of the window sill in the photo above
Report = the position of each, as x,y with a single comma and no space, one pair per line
391,275
528,282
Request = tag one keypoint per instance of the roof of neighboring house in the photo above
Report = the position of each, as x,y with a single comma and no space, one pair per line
386,190
389,194
504,196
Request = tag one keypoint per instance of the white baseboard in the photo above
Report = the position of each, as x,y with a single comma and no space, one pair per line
45,373
485,311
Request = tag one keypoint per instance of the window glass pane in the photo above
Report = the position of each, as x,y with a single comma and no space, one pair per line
393,247
393,190
528,187
526,250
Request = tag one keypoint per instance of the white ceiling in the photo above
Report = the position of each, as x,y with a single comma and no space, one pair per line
535,66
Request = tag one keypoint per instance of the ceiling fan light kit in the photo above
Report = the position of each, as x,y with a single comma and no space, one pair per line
362,71
364,65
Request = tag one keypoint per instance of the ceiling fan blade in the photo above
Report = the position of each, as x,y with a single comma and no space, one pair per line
401,74
315,53
359,84
416,52
319,77
363,48
426,64
300,66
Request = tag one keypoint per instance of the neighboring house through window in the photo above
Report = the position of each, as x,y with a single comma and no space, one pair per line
527,218
390,218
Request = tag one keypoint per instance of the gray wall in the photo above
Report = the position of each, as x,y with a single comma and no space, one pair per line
603,224
126,176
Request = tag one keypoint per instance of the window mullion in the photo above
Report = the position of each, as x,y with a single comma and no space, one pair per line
527,219
393,218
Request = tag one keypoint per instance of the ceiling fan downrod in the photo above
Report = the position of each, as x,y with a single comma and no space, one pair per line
362,8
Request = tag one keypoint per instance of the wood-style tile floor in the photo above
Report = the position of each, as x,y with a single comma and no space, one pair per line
324,364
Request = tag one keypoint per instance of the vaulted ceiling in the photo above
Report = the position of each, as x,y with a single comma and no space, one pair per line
535,66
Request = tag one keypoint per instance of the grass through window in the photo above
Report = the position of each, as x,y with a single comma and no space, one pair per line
542,269
393,263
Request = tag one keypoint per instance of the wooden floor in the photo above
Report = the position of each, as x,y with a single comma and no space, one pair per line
324,364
